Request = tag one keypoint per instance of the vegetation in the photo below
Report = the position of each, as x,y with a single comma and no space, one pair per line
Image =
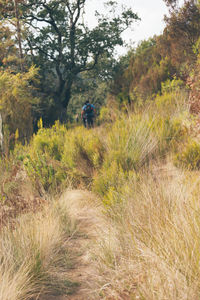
56,37
141,161
31,255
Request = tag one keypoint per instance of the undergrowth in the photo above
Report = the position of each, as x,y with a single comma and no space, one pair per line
33,253
153,252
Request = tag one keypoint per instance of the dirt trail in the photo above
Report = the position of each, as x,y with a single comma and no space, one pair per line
83,208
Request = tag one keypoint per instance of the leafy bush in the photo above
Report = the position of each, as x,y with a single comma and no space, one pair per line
105,114
83,151
43,159
171,103
130,143
49,141
45,174
190,157
170,132
16,97
173,85
57,156
110,182
109,178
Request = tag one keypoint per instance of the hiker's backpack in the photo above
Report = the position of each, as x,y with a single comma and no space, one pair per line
88,110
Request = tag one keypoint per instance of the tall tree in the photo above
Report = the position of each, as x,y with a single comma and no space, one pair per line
10,13
16,98
182,32
62,43
18,30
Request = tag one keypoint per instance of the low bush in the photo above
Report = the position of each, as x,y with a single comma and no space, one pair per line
83,151
45,174
109,180
130,143
173,99
189,158
42,160
170,133
50,141
105,115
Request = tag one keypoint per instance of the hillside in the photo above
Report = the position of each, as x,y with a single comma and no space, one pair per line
110,212
135,236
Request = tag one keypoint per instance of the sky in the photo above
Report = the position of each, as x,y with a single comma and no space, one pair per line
151,13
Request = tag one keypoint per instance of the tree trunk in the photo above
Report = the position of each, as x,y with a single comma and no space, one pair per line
18,27
63,102
1,134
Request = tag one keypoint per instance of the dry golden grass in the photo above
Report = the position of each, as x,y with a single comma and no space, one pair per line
31,254
153,251
147,249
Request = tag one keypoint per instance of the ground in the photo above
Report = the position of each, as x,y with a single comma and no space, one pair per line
85,210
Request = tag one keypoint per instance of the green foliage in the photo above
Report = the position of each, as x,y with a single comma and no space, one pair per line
16,98
170,86
105,115
50,141
73,46
173,99
8,51
110,182
170,132
45,175
83,150
130,143
111,178
173,103
189,158
57,156
43,161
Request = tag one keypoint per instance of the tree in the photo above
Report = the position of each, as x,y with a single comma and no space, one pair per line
171,3
93,85
16,98
10,12
7,47
182,32
62,44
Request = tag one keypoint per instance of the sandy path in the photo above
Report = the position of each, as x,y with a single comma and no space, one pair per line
83,208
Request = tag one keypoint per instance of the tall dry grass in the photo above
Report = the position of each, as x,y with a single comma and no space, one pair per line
131,142
152,253
32,253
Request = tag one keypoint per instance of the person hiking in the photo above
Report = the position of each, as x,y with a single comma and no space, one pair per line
88,114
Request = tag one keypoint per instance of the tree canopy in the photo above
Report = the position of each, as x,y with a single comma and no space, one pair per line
59,40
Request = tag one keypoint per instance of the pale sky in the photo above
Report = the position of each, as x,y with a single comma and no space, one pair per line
151,13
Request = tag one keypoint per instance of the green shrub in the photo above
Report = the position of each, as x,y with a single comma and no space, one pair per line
43,159
110,183
130,143
109,178
170,86
171,102
50,140
105,115
83,151
170,132
190,157
44,173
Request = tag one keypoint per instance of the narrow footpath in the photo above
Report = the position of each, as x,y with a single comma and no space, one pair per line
83,209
